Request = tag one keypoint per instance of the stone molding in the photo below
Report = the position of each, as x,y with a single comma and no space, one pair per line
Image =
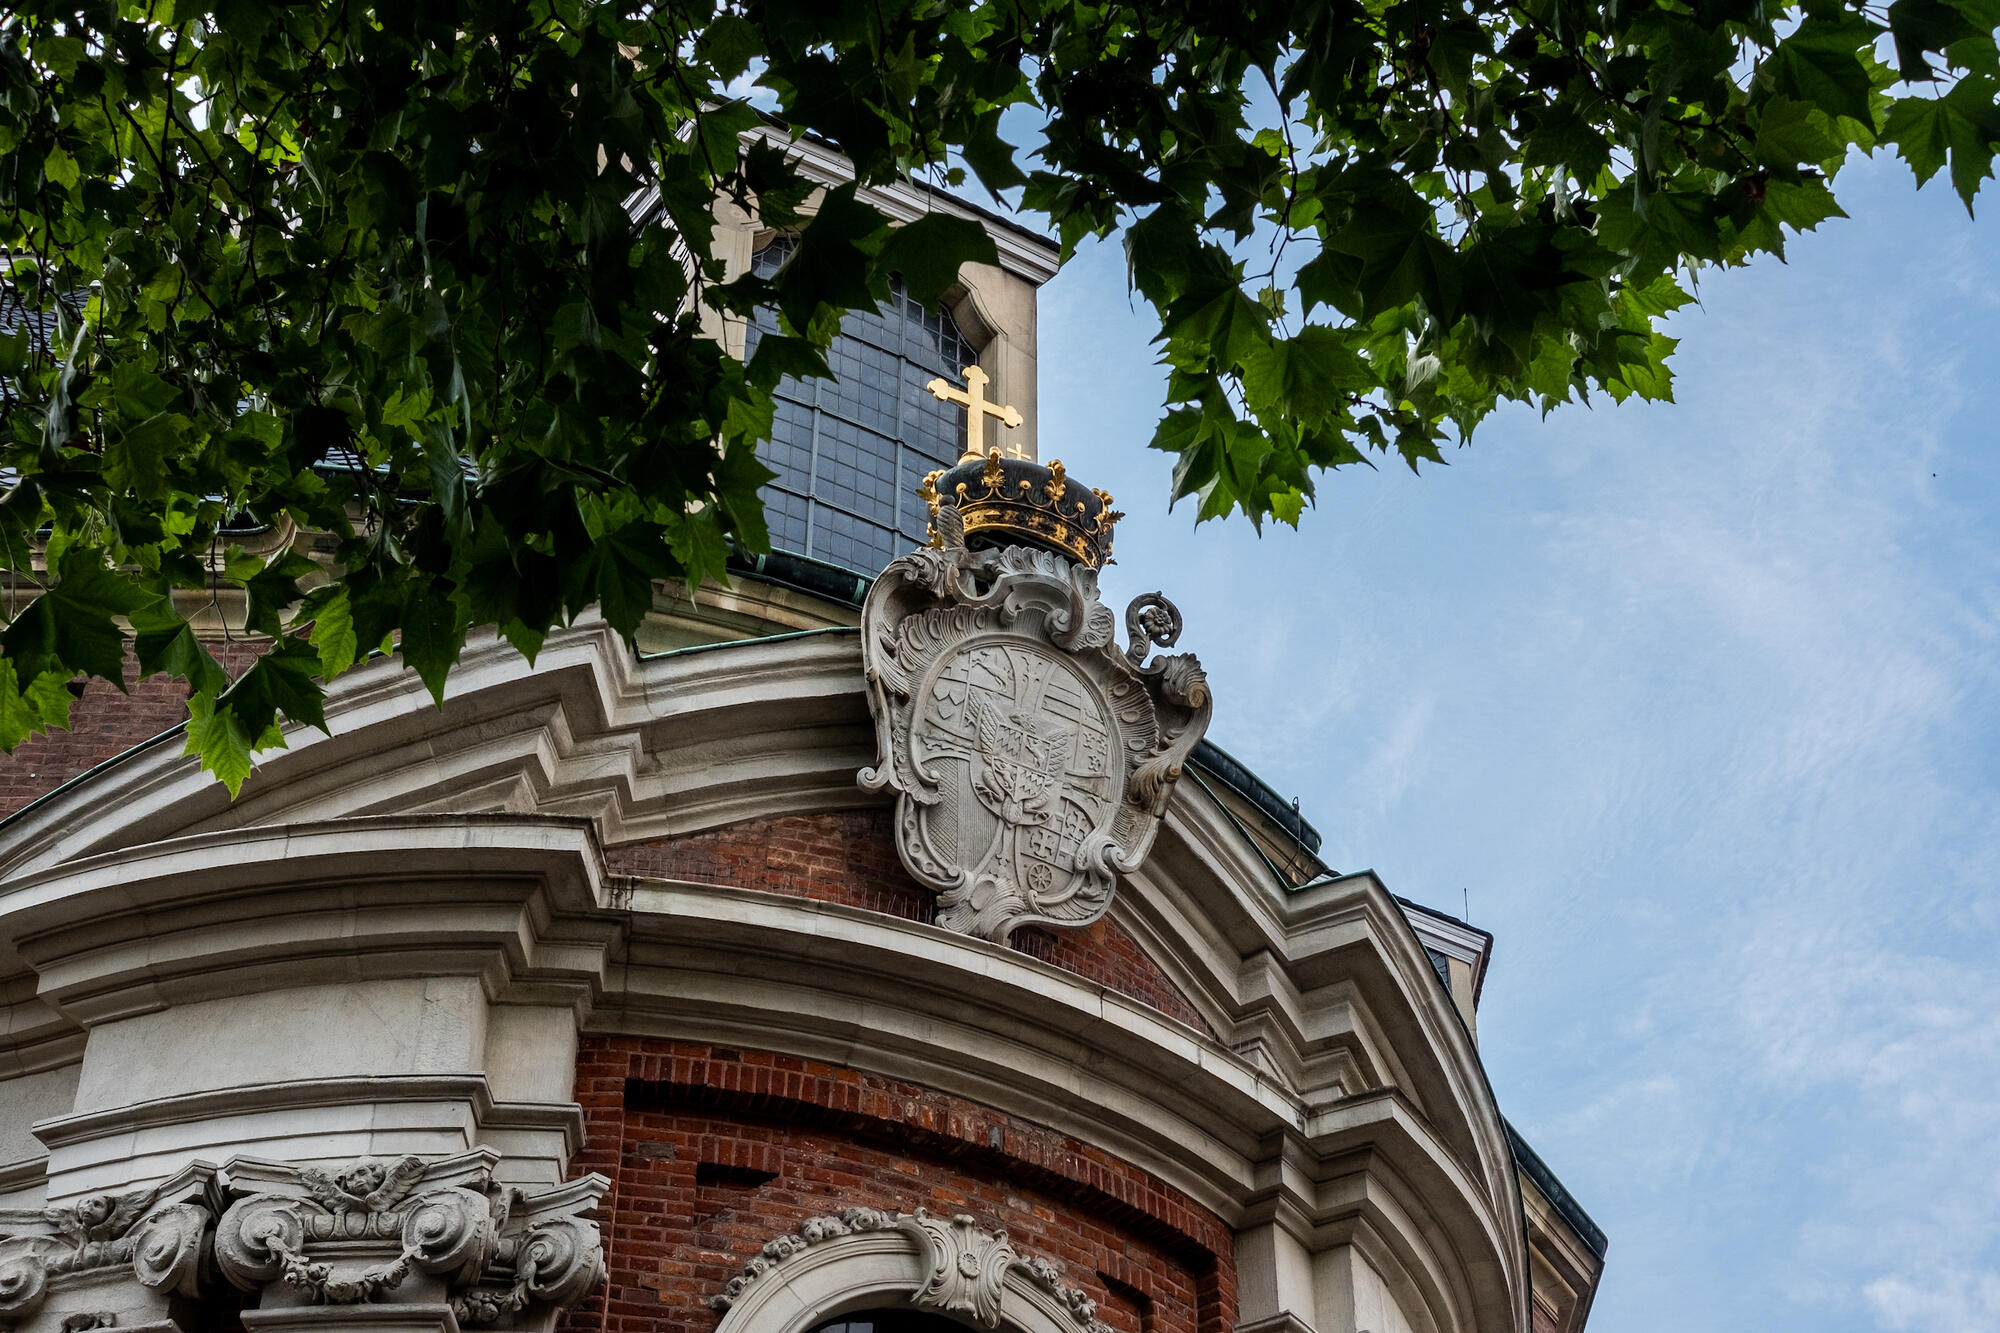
1032,758
564,1119
1318,996
406,1232
421,1245
1337,984
155,1238
963,1269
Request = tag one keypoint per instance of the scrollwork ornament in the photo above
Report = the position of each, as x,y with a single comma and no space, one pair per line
24,1277
965,1267
968,1266
560,1260
255,1237
449,1232
168,1247
1032,758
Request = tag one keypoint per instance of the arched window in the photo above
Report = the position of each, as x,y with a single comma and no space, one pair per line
849,452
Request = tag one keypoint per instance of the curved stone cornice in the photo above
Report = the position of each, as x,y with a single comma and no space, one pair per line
140,886
645,747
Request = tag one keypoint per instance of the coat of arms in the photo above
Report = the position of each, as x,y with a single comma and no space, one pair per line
1031,757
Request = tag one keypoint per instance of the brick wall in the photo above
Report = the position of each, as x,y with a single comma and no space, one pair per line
714,1151
103,724
851,859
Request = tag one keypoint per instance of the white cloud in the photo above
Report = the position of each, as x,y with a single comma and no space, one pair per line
1952,1301
1702,705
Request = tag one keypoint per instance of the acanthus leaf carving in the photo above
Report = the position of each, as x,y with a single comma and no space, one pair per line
355,1235
159,1235
1031,757
967,1266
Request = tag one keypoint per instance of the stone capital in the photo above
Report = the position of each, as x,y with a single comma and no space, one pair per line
406,1244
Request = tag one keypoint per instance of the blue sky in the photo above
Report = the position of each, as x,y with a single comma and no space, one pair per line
1698,708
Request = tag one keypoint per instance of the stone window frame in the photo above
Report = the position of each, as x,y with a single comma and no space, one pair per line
951,1269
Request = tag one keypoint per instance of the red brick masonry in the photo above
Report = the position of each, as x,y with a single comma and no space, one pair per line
715,1151
851,858
103,724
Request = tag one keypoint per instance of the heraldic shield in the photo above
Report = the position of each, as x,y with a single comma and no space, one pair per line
1031,757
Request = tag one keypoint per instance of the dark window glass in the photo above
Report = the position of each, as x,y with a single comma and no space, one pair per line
891,1321
1440,964
849,452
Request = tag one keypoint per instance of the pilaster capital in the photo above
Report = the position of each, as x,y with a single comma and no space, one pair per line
379,1243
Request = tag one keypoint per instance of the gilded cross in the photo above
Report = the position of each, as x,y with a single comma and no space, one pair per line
973,398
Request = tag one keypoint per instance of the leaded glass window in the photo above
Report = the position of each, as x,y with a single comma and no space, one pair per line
849,452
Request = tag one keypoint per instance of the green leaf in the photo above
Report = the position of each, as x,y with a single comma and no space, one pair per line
273,587
778,356
1307,377
432,635
1647,376
1790,132
929,252
280,684
1220,321
730,42
166,643
1962,128
1922,27
330,609
218,738
1820,64
71,628
23,713
625,565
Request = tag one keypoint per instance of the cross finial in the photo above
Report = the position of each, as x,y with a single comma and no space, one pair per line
973,398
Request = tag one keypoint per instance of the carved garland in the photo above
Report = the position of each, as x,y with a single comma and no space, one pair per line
497,1249
336,1238
965,1273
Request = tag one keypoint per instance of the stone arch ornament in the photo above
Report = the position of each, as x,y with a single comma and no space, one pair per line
868,1257
1031,756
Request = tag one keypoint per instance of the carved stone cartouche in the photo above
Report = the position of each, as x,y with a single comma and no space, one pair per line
1031,757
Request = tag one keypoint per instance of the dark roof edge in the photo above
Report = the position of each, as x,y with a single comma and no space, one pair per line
1225,768
998,219
1428,910
1486,954
803,574
178,729
1552,1189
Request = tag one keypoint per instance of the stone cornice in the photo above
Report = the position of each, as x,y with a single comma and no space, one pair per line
471,1089
1323,993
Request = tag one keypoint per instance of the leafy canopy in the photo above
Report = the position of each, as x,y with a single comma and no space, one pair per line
376,270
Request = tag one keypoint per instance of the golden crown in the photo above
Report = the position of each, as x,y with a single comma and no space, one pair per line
1016,501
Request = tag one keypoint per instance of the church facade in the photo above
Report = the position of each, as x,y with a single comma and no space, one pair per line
881,945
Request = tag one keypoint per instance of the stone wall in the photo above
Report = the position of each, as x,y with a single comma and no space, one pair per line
715,1151
851,858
